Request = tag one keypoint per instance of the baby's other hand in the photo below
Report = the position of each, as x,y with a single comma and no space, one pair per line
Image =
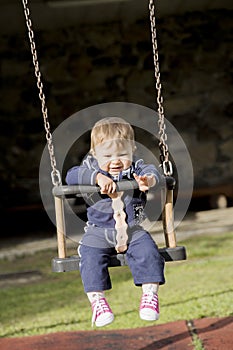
145,181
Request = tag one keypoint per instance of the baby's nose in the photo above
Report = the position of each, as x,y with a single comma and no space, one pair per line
115,160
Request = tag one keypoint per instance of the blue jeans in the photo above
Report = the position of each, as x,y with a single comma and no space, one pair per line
143,258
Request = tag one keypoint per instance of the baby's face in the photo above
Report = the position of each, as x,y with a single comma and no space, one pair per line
114,156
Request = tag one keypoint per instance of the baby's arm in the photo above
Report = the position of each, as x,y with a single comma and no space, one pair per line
84,174
146,175
88,174
80,175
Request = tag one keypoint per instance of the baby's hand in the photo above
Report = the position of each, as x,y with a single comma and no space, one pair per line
145,181
107,185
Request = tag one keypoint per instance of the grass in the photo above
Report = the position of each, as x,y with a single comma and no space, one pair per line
197,343
196,288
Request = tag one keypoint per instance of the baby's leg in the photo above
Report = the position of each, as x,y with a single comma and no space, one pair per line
147,267
145,261
95,277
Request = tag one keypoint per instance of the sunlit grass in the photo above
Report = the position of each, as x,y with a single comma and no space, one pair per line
196,288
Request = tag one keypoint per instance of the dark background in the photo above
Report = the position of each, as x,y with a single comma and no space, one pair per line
96,52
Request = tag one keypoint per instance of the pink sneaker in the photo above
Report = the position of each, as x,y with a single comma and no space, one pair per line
149,307
102,314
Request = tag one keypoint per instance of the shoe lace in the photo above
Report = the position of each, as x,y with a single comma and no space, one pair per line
149,298
100,306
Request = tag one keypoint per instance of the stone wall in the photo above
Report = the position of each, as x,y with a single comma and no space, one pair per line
84,66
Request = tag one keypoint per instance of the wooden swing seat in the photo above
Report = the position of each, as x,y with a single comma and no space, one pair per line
171,252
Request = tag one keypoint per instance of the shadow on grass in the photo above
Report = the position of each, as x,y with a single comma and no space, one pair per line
198,298
28,331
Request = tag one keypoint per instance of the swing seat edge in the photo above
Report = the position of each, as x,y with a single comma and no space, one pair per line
72,263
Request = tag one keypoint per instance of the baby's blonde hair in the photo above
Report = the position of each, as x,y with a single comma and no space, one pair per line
111,128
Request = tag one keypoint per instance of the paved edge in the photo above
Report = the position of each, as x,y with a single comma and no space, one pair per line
213,334
172,336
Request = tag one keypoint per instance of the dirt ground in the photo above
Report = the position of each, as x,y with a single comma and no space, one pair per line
210,333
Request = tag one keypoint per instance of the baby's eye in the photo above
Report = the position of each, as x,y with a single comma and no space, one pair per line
123,155
107,156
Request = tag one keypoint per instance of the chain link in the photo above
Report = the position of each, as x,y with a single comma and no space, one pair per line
55,174
164,152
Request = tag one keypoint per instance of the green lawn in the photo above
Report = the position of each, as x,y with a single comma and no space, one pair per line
198,287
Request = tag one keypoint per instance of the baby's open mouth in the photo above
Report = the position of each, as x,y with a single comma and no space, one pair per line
116,169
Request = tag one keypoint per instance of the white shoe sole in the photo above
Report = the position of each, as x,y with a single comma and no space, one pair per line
149,316
105,322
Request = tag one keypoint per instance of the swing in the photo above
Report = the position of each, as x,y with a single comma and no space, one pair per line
171,252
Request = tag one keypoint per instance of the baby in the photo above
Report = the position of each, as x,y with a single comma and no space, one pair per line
115,219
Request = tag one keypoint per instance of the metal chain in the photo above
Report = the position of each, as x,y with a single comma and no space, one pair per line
164,152
164,156
55,174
